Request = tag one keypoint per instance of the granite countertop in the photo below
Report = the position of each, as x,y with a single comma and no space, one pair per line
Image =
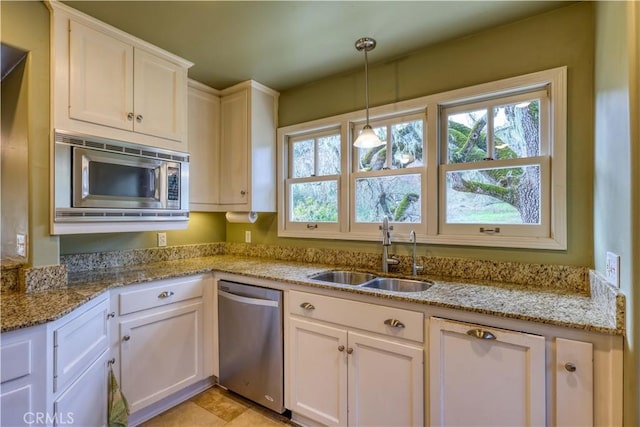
574,310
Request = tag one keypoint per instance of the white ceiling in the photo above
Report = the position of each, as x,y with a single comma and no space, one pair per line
283,44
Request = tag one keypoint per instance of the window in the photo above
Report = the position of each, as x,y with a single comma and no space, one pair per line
481,166
494,171
392,185
315,163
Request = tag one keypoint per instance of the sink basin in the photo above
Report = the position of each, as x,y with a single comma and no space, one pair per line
398,285
354,278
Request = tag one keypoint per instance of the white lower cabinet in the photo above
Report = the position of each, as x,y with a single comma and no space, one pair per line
385,382
160,354
80,344
161,339
485,376
84,402
23,376
574,383
318,371
339,375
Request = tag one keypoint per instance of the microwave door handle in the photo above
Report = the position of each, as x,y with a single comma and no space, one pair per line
161,184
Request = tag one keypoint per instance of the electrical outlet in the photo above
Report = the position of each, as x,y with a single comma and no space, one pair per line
21,244
612,269
247,236
162,239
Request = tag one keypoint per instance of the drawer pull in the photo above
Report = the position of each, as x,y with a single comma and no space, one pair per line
349,350
307,306
165,294
111,315
395,323
570,366
481,334
340,348
126,338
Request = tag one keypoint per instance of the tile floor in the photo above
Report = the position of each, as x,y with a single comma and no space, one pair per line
218,407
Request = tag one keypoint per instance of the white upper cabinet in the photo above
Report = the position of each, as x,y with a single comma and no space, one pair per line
248,120
160,92
100,76
110,84
204,147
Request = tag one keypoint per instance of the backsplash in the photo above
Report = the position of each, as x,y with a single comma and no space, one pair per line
542,276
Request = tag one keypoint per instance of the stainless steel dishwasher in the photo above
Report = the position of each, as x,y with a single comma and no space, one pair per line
251,343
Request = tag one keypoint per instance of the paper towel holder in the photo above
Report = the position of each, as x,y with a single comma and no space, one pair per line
242,217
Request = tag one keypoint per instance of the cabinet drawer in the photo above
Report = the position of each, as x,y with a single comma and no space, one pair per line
78,343
161,293
365,316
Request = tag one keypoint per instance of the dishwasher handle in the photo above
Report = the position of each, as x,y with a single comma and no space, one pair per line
246,300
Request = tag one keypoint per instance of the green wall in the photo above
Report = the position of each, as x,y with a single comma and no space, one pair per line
617,169
203,228
561,37
25,25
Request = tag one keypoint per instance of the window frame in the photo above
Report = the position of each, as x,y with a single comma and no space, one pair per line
553,167
319,227
542,160
355,174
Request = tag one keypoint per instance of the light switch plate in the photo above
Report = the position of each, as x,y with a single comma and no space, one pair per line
162,239
612,269
21,244
247,236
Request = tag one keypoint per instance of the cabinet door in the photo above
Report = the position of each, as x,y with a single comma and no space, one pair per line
318,371
485,376
160,97
204,147
574,383
385,382
84,402
160,353
23,361
78,343
234,149
100,78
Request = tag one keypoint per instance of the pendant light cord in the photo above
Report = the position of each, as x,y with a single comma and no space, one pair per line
366,83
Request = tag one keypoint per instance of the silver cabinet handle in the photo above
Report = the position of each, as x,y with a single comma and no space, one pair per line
165,294
307,306
395,323
481,334
349,350
139,118
570,366
111,315
130,116
340,348
126,338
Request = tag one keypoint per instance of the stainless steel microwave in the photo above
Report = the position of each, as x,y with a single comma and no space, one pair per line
98,180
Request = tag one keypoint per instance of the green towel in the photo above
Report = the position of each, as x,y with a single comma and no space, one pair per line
118,406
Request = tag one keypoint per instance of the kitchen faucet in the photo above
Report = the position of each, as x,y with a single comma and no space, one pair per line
414,266
386,242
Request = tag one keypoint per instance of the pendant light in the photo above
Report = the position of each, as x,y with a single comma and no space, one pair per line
367,137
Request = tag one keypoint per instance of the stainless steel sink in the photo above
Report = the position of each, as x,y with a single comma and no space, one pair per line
354,278
398,285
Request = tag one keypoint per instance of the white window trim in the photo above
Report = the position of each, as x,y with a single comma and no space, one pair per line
556,78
